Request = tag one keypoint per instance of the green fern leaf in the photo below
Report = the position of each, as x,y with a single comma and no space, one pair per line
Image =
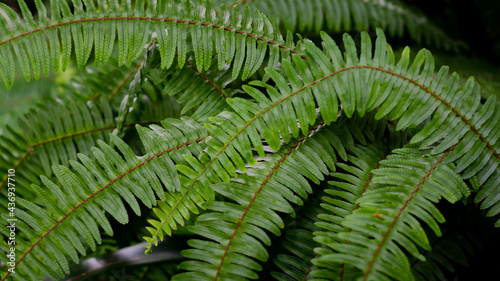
258,196
393,220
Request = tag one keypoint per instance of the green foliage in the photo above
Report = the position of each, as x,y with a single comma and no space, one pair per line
331,163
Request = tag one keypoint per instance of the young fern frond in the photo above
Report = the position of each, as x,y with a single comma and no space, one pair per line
242,39
99,184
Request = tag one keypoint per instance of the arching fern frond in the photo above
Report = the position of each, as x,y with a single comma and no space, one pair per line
411,184
94,185
365,141
236,38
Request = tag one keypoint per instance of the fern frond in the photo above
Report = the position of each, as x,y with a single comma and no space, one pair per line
411,93
387,224
365,141
239,38
239,236
94,185
393,16
108,80
53,133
